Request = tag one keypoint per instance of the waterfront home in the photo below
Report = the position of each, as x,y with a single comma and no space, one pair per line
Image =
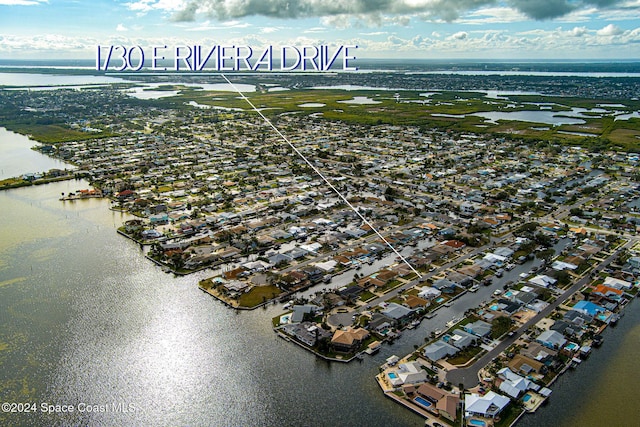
446,404
380,323
526,365
445,285
587,307
300,311
413,302
407,373
306,332
478,328
538,352
488,406
551,339
398,313
439,350
429,293
348,340
617,283
513,384
460,339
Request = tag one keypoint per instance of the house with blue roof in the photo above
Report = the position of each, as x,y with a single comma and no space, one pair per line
587,307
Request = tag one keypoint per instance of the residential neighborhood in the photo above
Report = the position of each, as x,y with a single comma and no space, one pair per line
420,219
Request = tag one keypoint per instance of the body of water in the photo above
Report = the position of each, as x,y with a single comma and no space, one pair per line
17,157
86,319
39,80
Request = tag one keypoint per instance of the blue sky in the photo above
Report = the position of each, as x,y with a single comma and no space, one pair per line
429,29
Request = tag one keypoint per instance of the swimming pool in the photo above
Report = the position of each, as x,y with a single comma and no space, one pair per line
526,397
494,307
476,422
392,375
508,294
439,300
423,402
285,319
572,346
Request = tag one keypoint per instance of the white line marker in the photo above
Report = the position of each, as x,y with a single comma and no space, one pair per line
320,175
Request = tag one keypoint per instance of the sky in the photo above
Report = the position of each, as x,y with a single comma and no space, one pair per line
416,29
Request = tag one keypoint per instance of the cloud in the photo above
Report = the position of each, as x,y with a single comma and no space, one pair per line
121,28
609,30
315,30
374,33
269,30
578,31
377,12
493,15
460,35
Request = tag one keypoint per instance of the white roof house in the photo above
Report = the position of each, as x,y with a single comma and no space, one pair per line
513,384
487,406
543,281
429,292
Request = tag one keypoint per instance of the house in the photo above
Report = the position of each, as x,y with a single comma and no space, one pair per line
608,293
587,307
445,285
446,404
439,350
151,234
459,279
348,340
414,302
538,352
578,318
561,265
542,281
513,384
397,312
488,406
551,339
526,365
408,373
306,332
478,328
617,283
278,258
460,339
429,293
299,312
379,323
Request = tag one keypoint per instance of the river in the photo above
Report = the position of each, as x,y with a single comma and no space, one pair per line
85,319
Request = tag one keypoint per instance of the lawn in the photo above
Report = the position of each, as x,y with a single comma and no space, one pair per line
465,355
257,295
366,296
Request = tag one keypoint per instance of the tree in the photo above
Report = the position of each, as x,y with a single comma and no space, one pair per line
500,326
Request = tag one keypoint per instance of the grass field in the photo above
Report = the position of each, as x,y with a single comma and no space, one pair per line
410,108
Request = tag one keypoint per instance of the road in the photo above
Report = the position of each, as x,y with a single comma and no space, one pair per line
469,376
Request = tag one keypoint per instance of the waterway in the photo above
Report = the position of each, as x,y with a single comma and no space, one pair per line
17,158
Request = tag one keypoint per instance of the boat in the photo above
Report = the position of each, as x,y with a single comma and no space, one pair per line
597,340
614,319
